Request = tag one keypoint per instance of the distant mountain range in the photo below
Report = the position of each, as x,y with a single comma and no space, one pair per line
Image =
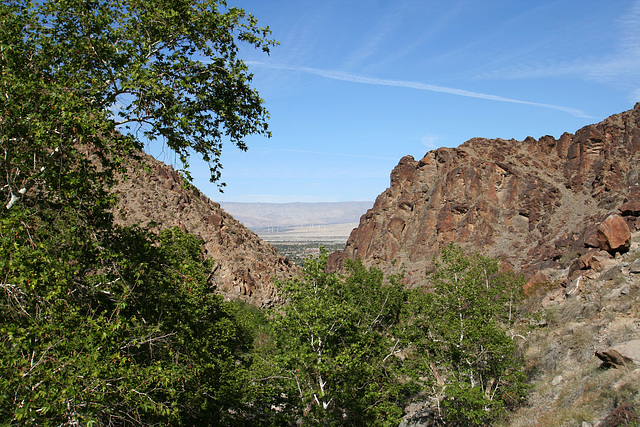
261,216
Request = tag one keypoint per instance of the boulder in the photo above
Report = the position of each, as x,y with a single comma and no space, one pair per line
554,297
630,349
594,260
611,273
213,219
599,261
591,241
623,354
535,282
631,208
631,205
614,234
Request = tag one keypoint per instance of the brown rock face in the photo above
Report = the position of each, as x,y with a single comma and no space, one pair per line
631,205
533,202
244,264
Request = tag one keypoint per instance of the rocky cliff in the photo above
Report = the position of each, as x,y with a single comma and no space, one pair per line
537,204
245,265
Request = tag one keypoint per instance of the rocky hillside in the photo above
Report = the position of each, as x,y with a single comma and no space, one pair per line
537,204
244,264
564,211
583,347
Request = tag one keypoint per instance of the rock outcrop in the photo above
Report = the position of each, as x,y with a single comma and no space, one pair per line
537,204
157,196
623,354
577,334
613,234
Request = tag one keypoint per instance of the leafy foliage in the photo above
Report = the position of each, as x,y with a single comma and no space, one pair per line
100,77
101,324
130,335
354,349
461,323
46,127
107,325
333,358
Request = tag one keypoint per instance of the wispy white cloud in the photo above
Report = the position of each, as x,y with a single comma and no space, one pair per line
413,45
355,78
630,22
376,37
620,66
431,141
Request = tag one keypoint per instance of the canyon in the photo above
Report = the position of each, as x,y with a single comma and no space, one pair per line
158,197
564,212
540,205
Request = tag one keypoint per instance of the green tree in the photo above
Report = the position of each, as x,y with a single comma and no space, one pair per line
355,349
333,358
102,324
128,334
460,320
98,78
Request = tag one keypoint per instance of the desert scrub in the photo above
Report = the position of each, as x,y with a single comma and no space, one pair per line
572,397
621,329
570,311
625,414
581,338
593,387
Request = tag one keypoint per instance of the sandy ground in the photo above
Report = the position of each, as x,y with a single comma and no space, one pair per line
324,233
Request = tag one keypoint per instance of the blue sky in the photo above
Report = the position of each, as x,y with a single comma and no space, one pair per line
357,84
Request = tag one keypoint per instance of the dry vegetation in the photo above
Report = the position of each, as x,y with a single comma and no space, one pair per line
570,387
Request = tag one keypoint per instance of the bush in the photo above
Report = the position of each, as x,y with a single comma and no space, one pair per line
121,331
624,414
354,349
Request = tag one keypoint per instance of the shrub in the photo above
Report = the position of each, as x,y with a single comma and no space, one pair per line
333,356
122,331
623,415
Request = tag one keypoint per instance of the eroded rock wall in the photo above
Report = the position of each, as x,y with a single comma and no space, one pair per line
533,202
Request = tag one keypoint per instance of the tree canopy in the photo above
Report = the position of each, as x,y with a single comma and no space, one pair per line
109,75
125,331
460,322
356,349
101,324
335,343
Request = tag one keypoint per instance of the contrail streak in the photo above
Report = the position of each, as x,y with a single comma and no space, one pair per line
355,78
